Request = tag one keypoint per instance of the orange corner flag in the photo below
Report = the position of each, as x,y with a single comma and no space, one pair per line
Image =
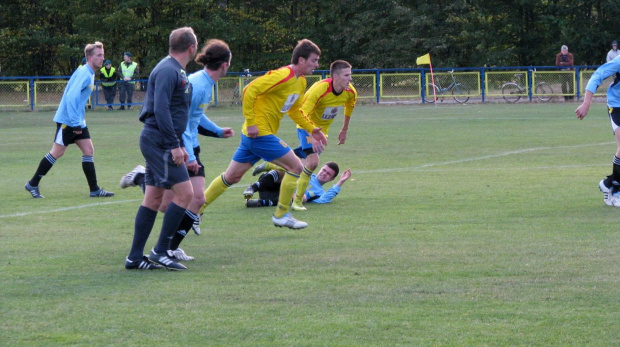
425,59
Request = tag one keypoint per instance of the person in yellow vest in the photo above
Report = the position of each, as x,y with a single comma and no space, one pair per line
108,77
129,72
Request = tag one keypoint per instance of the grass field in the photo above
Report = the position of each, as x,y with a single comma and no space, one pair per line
461,225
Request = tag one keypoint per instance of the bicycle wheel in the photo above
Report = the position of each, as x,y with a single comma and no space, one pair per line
429,95
511,92
543,92
460,93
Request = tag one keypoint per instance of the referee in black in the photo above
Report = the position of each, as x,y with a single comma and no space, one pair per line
164,114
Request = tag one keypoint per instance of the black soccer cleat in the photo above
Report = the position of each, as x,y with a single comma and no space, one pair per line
142,264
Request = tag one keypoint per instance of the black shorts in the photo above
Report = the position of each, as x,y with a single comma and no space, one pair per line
65,135
161,171
201,171
614,117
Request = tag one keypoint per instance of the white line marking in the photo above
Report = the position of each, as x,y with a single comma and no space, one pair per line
67,208
465,160
410,168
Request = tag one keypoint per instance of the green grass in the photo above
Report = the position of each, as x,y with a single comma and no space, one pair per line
461,225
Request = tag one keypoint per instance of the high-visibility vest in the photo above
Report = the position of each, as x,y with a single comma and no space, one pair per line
108,75
128,71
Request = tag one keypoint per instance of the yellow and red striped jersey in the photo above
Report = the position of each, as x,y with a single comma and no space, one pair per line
267,98
321,105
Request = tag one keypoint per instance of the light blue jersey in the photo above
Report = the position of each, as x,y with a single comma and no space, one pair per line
73,104
604,71
315,192
202,90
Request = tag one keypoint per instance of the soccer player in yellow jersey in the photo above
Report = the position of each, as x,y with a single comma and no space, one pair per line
265,100
321,104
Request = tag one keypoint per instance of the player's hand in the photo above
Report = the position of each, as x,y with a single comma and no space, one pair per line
193,166
252,131
345,175
179,155
319,140
227,132
582,110
77,130
342,137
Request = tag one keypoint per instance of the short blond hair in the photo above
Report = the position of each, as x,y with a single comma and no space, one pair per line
90,48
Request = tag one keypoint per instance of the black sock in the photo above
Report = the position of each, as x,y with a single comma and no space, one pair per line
172,218
88,166
45,165
145,218
184,227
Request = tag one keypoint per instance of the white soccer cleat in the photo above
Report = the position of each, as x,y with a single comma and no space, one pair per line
196,225
608,197
179,254
288,221
127,180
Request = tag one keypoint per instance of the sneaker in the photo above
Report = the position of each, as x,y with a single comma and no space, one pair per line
196,225
143,264
288,221
101,193
122,108
260,168
110,108
179,254
298,207
34,191
607,193
253,203
249,192
165,261
127,180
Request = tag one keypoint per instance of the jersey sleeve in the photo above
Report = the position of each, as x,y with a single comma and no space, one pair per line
209,126
350,104
162,97
295,111
74,97
328,196
608,69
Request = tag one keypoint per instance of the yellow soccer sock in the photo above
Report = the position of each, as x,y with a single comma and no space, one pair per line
271,166
215,189
289,182
302,185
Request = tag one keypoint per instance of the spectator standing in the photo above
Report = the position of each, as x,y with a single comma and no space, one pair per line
108,77
129,72
614,51
566,60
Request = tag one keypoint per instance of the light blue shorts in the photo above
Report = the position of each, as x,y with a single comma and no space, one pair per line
268,148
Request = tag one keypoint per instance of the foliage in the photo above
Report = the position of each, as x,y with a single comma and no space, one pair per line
47,37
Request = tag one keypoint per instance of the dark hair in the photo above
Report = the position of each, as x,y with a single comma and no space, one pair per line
338,65
303,49
332,165
214,53
181,39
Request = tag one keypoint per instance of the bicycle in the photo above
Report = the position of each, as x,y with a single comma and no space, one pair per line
238,89
512,91
460,92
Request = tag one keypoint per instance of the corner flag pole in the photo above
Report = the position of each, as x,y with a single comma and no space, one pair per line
423,60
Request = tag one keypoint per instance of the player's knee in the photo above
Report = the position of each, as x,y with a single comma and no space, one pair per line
232,177
198,199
